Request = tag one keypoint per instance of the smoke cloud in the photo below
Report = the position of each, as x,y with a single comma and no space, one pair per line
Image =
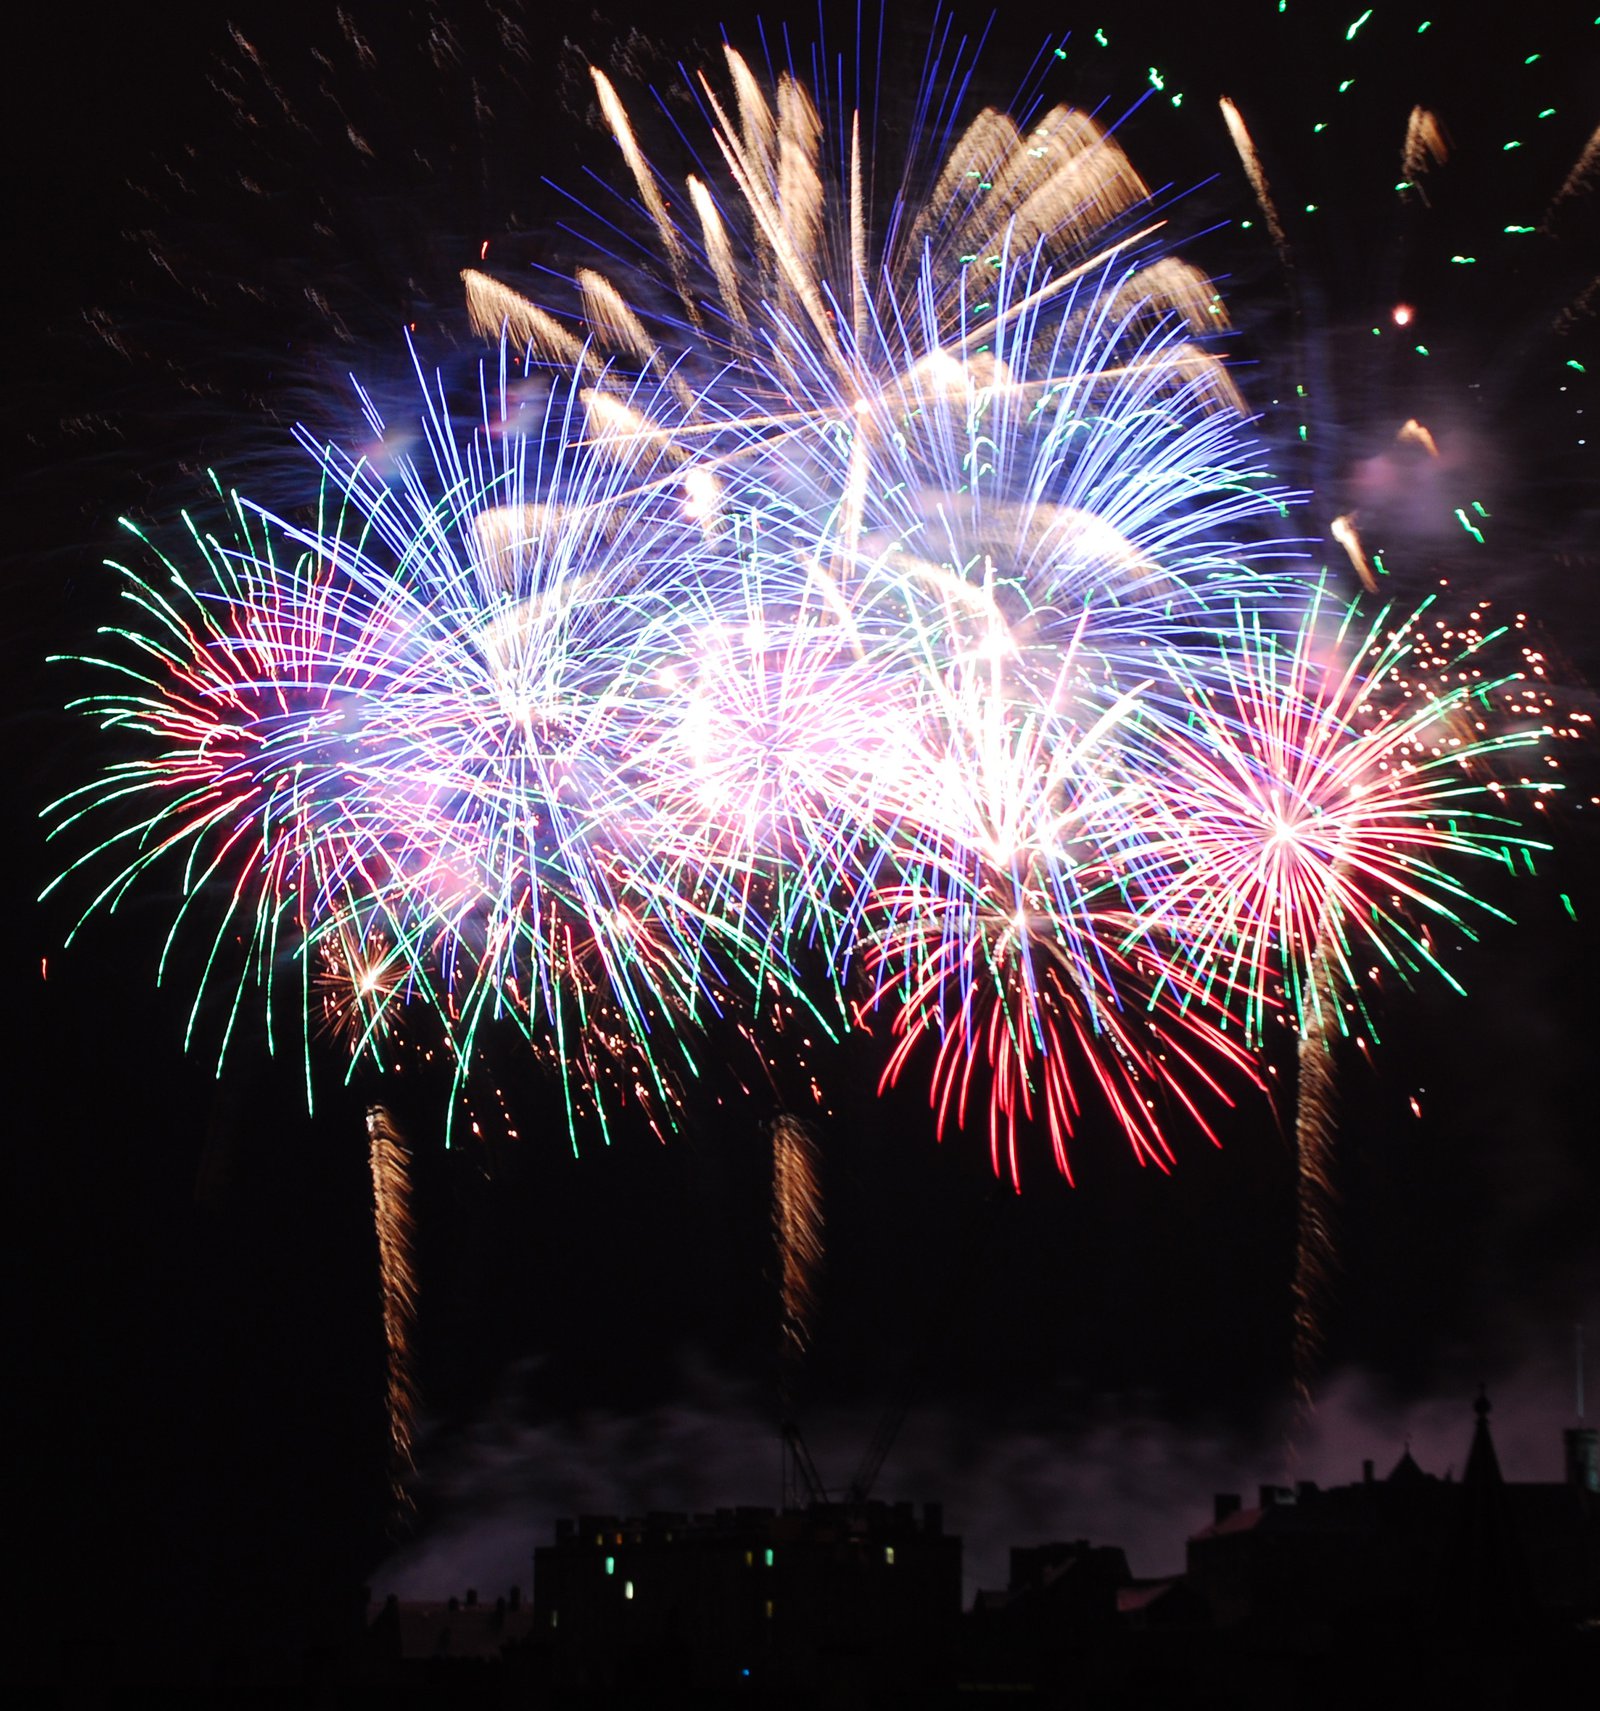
1114,1472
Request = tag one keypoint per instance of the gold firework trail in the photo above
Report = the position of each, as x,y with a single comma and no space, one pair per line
1344,532
786,251
1578,178
1424,147
1251,161
1412,432
391,1205
797,1231
1315,1128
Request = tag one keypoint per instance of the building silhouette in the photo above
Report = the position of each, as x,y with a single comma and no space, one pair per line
1480,1589
860,1594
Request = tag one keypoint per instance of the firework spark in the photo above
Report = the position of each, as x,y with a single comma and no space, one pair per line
1424,147
878,575
1315,1129
391,1205
1256,173
1317,809
1318,798
797,1231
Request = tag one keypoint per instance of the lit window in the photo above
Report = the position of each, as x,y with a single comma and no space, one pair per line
627,1589
769,1556
749,1559
769,1609
611,1565
888,1555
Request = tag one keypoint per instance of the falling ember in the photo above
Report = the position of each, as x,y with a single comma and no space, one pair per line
1314,1193
1344,532
1578,178
1404,314
1258,179
1425,146
1412,432
797,1230
391,1204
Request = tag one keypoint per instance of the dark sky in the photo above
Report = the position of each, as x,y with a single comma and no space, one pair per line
193,1307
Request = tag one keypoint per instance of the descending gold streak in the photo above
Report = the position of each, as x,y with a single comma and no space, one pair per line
391,1203
493,309
626,433
719,252
1413,432
974,159
1315,1128
1424,147
1581,306
799,182
1174,284
797,1230
756,129
616,116
1034,208
1251,162
1089,182
795,278
1578,177
1344,532
615,323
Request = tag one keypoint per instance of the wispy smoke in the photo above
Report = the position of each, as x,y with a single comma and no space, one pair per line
1114,1472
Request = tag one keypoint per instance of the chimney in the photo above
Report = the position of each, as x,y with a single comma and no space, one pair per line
1366,1472
933,1519
472,1597
516,1597
1224,1504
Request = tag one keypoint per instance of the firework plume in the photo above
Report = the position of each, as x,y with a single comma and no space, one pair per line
797,1231
866,597
391,1207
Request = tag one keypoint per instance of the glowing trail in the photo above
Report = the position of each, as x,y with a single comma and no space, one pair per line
1344,532
391,1205
1256,173
797,1225
1424,147
1412,432
1579,176
1316,1125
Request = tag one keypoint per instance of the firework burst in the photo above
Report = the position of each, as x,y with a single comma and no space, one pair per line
877,574
1318,794
1312,797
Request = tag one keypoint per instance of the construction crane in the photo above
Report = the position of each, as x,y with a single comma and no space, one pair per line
800,1476
916,1370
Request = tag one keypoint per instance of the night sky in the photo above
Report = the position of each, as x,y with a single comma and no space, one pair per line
193,1312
